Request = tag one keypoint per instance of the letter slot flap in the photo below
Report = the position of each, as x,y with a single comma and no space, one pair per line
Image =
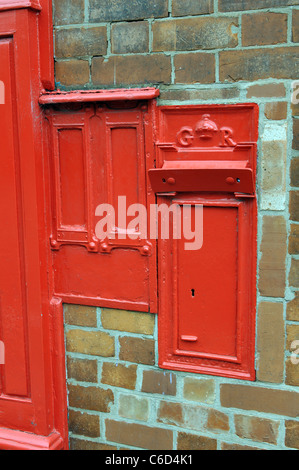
203,176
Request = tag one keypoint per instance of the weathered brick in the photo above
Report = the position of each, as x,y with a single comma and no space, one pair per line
294,240
295,172
130,37
270,342
163,383
295,36
119,375
143,69
292,371
256,64
276,111
191,94
292,434
193,442
132,407
80,315
296,134
217,421
279,402
242,5
171,413
270,90
90,398
95,343
138,435
292,335
257,429
132,322
194,68
293,308
138,350
192,7
72,73
226,446
84,424
80,42
68,11
82,370
83,444
194,33
200,390
272,279
259,29
124,10
294,205
294,274
103,71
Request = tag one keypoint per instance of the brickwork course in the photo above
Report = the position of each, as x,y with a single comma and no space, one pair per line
196,52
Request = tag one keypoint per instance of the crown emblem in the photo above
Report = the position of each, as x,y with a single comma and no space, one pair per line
206,128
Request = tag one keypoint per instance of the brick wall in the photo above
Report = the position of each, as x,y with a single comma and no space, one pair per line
196,52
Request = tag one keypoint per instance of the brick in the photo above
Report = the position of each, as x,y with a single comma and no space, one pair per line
294,273
296,134
293,308
119,375
143,69
292,371
133,408
294,240
95,343
193,442
217,421
130,37
83,444
84,424
191,94
273,174
292,335
295,172
171,413
270,342
194,33
132,322
138,435
90,398
80,315
272,279
241,5
82,370
80,42
279,402
194,68
294,205
159,382
292,434
103,71
138,350
257,429
276,111
68,12
259,29
72,72
199,390
295,31
226,446
192,7
270,90
257,64
124,10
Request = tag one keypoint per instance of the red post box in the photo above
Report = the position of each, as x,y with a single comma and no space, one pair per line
206,157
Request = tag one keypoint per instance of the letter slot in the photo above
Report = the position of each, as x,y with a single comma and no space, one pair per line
206,157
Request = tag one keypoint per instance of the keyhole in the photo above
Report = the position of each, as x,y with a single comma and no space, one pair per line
193,292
